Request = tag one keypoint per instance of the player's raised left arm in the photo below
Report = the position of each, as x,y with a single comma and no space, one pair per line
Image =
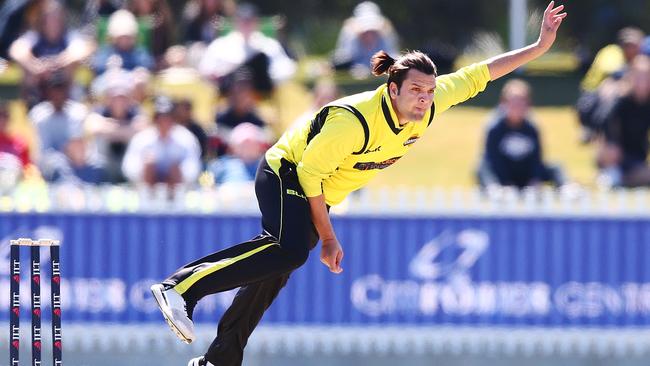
507,62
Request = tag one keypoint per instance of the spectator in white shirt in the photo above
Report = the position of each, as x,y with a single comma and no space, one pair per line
366,32
164,153
113,123
247,46
59,126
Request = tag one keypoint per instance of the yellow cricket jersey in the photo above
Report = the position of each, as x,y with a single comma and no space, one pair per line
352,138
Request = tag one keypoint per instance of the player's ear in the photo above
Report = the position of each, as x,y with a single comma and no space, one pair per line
393,90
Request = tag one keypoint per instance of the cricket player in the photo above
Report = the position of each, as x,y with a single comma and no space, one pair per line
316,166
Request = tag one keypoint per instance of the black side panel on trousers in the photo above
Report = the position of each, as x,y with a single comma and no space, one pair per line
288,236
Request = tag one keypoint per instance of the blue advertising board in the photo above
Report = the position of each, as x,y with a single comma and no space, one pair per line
484,271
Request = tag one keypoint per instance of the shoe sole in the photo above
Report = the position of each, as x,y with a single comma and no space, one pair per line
156,291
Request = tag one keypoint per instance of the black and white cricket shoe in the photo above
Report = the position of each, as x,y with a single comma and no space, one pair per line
199,361
174,310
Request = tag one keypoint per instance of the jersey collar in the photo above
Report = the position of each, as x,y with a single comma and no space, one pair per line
389,114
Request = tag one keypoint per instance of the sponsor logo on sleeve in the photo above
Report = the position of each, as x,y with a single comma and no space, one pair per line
376,165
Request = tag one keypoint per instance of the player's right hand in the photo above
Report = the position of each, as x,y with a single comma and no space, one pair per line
331,254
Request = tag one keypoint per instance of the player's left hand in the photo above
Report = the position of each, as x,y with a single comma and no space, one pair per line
331,255
550,24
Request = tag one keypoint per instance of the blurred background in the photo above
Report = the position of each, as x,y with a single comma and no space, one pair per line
516,231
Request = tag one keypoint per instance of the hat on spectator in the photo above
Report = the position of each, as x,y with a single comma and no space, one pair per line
163,105
367,17
122,23
369,23
119,84
247,131
366,8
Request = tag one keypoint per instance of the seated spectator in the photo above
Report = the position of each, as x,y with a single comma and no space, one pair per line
122,32
59,126
246,147
16,16
241,108
200,18
247,46
140,79
599,84
154,24
113,124
623,157
363,35
47,49
164,153
14,153
183,116
513,151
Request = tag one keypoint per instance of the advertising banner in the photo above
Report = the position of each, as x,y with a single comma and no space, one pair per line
487,271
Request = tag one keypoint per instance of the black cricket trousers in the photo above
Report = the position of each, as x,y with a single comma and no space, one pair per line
260,266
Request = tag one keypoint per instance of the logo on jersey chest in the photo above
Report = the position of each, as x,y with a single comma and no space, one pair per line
376,165
377,149
411,140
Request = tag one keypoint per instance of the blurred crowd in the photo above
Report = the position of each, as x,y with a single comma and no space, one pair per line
614,113
118,126
614,109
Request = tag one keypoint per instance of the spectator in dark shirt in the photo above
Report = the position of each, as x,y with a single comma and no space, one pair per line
183,115
50,48
155,24
600,84
513,152
623,157
200,19
242,104
14,19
